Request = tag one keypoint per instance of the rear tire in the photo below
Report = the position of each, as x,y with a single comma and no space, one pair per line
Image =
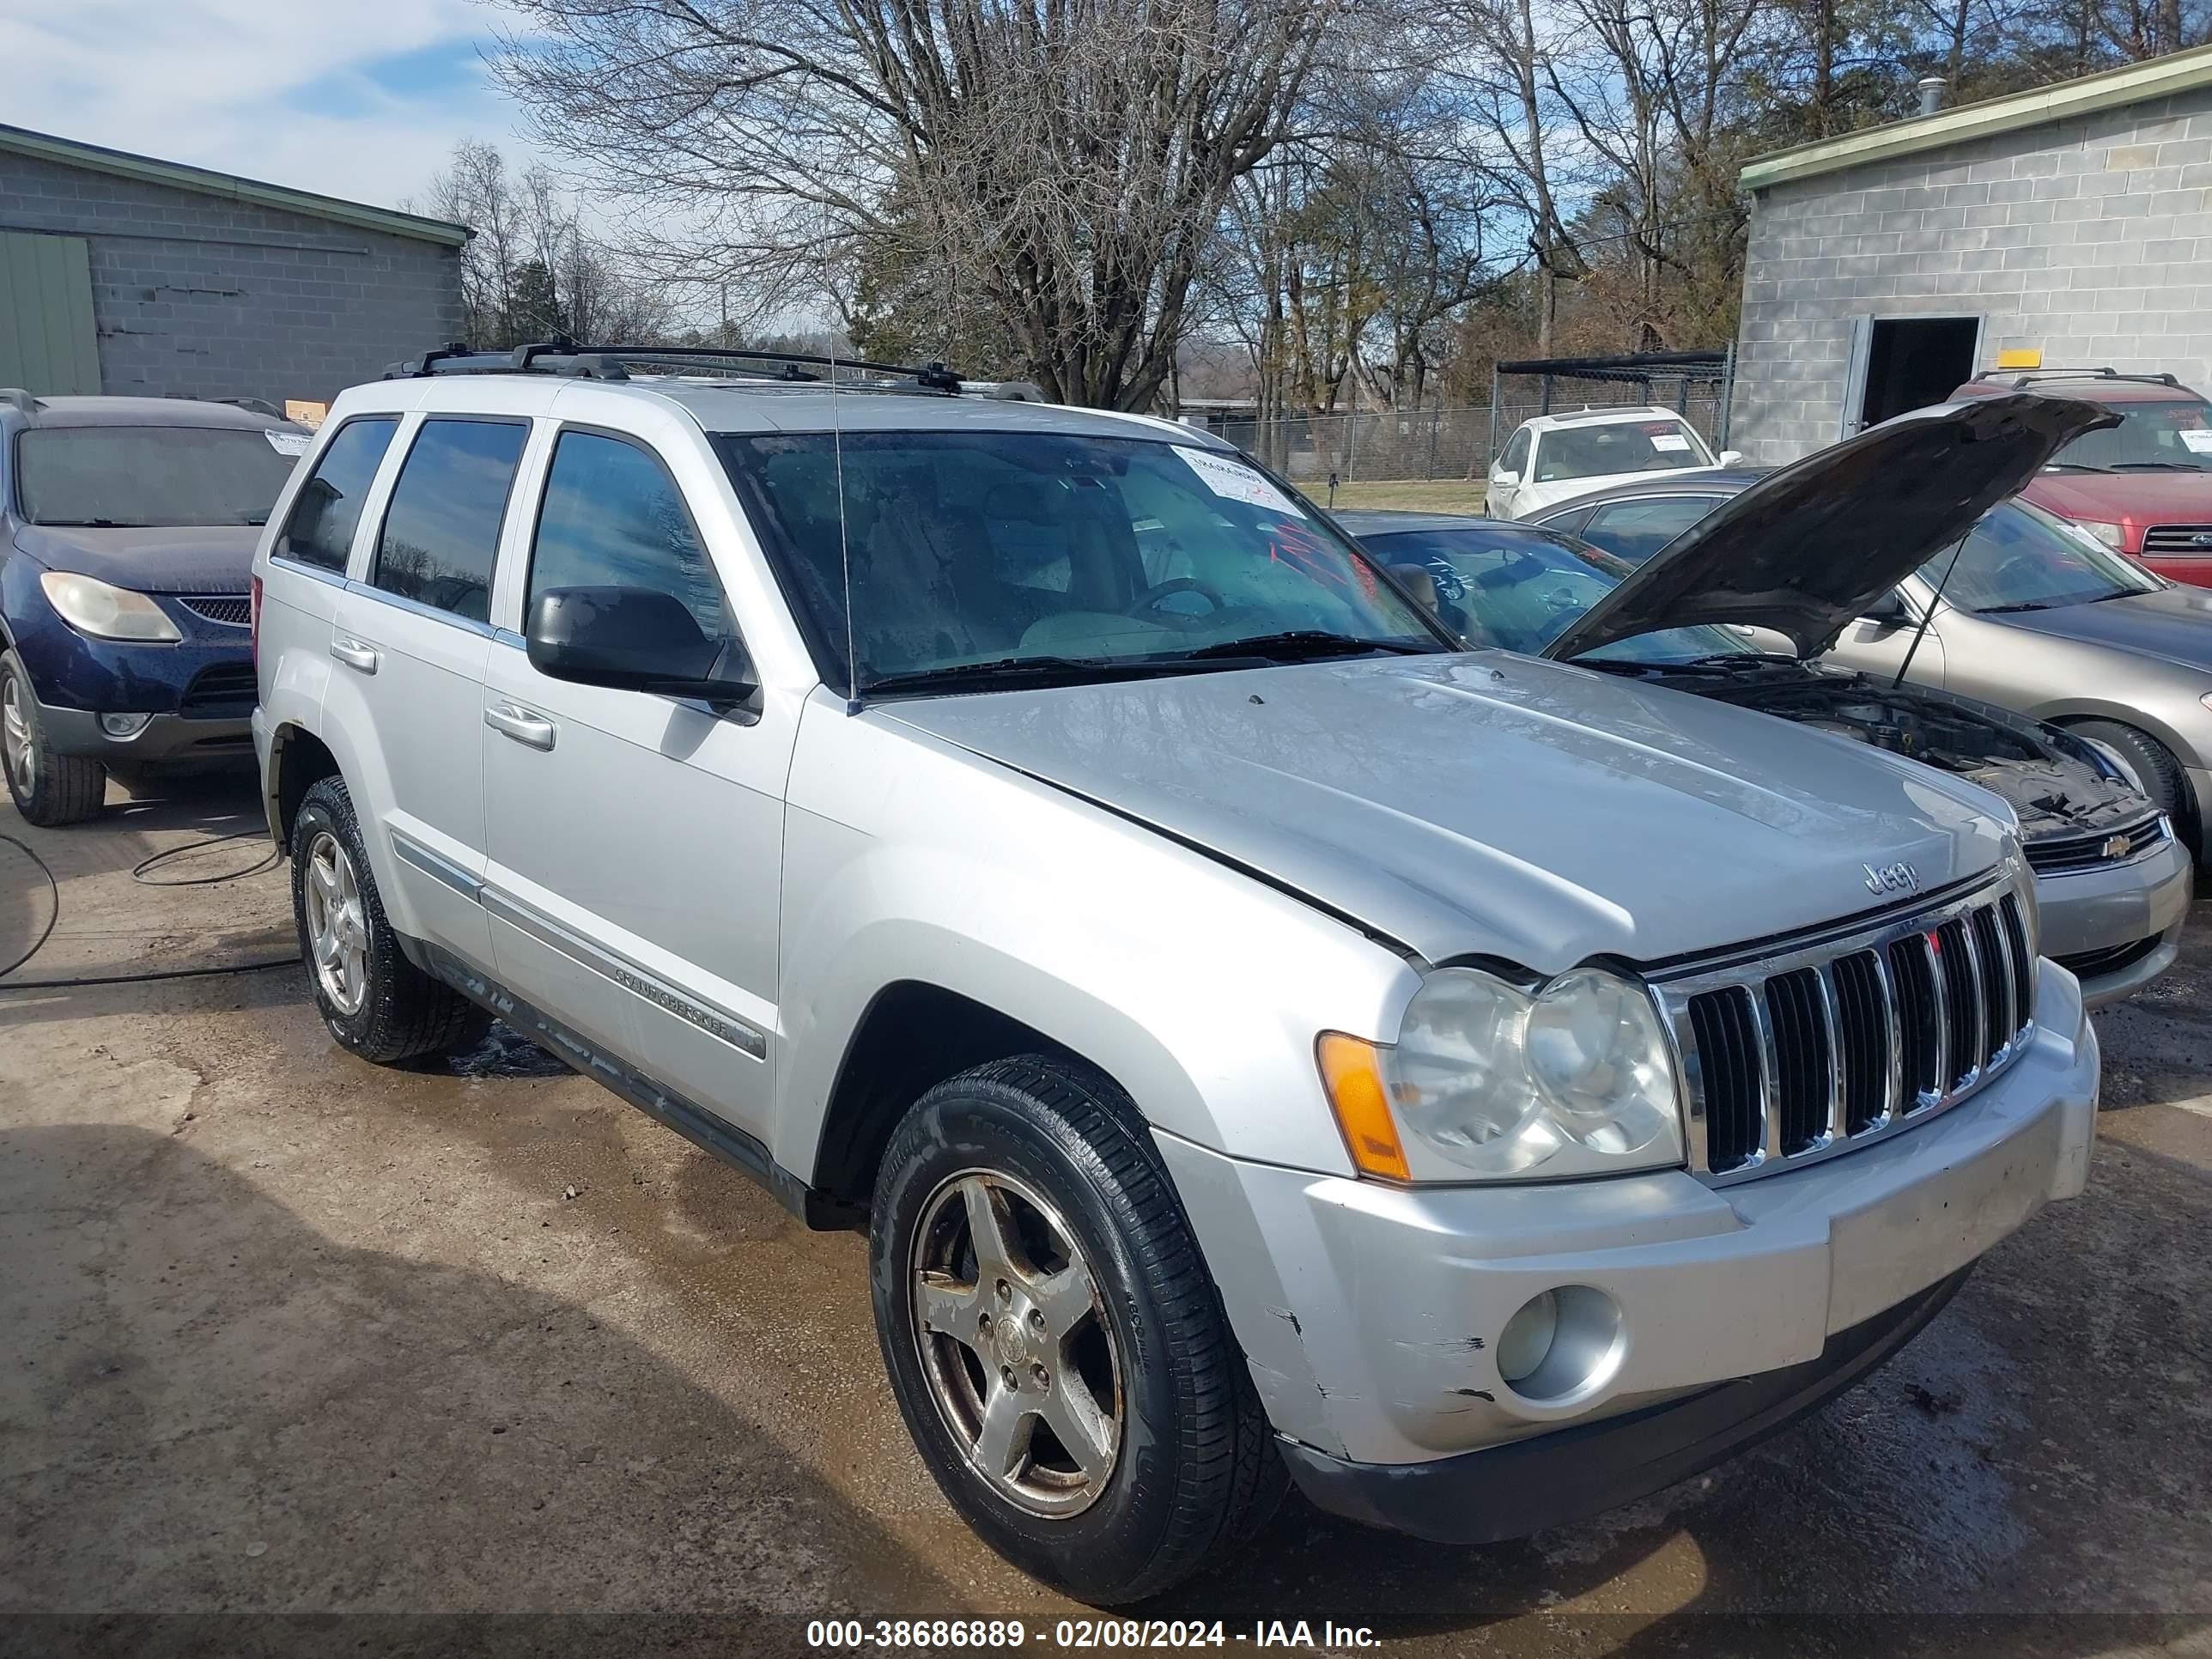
1099,1287
374,1001
48,789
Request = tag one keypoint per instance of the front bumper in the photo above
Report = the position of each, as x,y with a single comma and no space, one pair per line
1513,1489
1371,1314
2089,912
166,739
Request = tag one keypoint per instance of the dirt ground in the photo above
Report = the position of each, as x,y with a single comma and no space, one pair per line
298,1355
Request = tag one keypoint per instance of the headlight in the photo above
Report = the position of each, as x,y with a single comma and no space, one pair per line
105,612
2110,535
1575,1078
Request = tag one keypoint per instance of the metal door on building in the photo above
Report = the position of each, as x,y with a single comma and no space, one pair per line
47,342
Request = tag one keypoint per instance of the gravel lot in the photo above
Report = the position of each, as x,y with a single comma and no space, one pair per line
285,1334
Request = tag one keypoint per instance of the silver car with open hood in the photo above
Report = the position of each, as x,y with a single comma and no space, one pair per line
2112,876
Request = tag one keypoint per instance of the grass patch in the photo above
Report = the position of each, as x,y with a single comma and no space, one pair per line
1434,495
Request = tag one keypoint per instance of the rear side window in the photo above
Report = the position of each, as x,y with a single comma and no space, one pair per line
441,531
327,510
613,518
1634,531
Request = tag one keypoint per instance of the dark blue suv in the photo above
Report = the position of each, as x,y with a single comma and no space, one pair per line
127,527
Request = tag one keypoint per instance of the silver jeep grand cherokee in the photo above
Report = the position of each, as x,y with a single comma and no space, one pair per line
1259,1036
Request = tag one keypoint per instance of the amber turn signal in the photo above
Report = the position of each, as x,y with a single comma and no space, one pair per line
1352,1072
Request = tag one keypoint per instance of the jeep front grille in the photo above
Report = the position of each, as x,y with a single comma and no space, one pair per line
1800,1055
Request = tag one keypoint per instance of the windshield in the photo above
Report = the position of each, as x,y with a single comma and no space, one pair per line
976,549
138,475
2167,435
1596,452
2021,559
1517,587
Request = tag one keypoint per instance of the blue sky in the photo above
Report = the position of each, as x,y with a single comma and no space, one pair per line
362,98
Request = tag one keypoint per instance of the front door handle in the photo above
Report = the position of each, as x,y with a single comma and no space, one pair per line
521,725
354,654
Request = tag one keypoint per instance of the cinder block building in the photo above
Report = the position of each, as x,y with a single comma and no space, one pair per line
2068,228
119,273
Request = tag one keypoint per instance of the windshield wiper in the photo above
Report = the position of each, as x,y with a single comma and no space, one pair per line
2156,466
90,524
1010,671
1303,645
2006,610
2073,466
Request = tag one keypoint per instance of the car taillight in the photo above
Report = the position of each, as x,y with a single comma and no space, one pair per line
253,616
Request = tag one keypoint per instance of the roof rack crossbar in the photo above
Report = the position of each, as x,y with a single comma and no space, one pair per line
16,398
2021,377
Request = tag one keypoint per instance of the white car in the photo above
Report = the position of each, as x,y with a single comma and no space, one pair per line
1554,457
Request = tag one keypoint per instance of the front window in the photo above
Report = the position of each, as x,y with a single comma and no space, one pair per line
1517,588
1023,555
2021,559
1658,445
139,477
2168,435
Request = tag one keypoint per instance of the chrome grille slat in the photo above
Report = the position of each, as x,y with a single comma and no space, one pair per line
1808,1052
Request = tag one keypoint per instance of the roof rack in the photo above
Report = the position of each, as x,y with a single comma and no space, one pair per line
16,398
2017,378
559,355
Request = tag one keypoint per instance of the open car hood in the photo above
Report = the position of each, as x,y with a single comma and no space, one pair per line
1809,548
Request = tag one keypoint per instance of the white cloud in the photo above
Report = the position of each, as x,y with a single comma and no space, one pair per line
305,92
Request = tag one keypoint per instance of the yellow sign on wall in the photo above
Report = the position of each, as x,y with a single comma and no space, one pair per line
2020,357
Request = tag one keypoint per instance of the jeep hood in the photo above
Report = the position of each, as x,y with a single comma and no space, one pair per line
1810,547
1492,804
217,559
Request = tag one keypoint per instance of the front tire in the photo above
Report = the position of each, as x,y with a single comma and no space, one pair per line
48,789
1055,1341
2149,766
374,1001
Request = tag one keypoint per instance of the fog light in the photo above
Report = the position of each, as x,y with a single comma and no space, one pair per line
1526,1337
124,726
1562,1346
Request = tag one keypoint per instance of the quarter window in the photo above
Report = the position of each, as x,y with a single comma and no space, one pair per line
1516,452
613,518
321,527
441,531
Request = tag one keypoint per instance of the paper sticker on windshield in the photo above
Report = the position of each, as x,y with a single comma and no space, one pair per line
1669,440
1236,482
286,443
2198,440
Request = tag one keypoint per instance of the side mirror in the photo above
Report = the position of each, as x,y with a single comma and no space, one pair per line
633,639
1506,478
1889,611
1730,457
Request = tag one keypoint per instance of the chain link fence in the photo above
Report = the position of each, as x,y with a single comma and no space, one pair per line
1398,445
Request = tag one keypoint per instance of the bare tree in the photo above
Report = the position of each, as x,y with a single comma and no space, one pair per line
1062,167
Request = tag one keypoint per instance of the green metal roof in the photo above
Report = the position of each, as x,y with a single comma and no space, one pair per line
71,152
2131,83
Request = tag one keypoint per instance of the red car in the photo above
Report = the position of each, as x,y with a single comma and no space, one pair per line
2144,487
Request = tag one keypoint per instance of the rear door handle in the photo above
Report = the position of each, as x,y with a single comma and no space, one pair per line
525,727
354,654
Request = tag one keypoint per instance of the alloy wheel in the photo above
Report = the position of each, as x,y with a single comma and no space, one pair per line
1020,1358
338,929
17,749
